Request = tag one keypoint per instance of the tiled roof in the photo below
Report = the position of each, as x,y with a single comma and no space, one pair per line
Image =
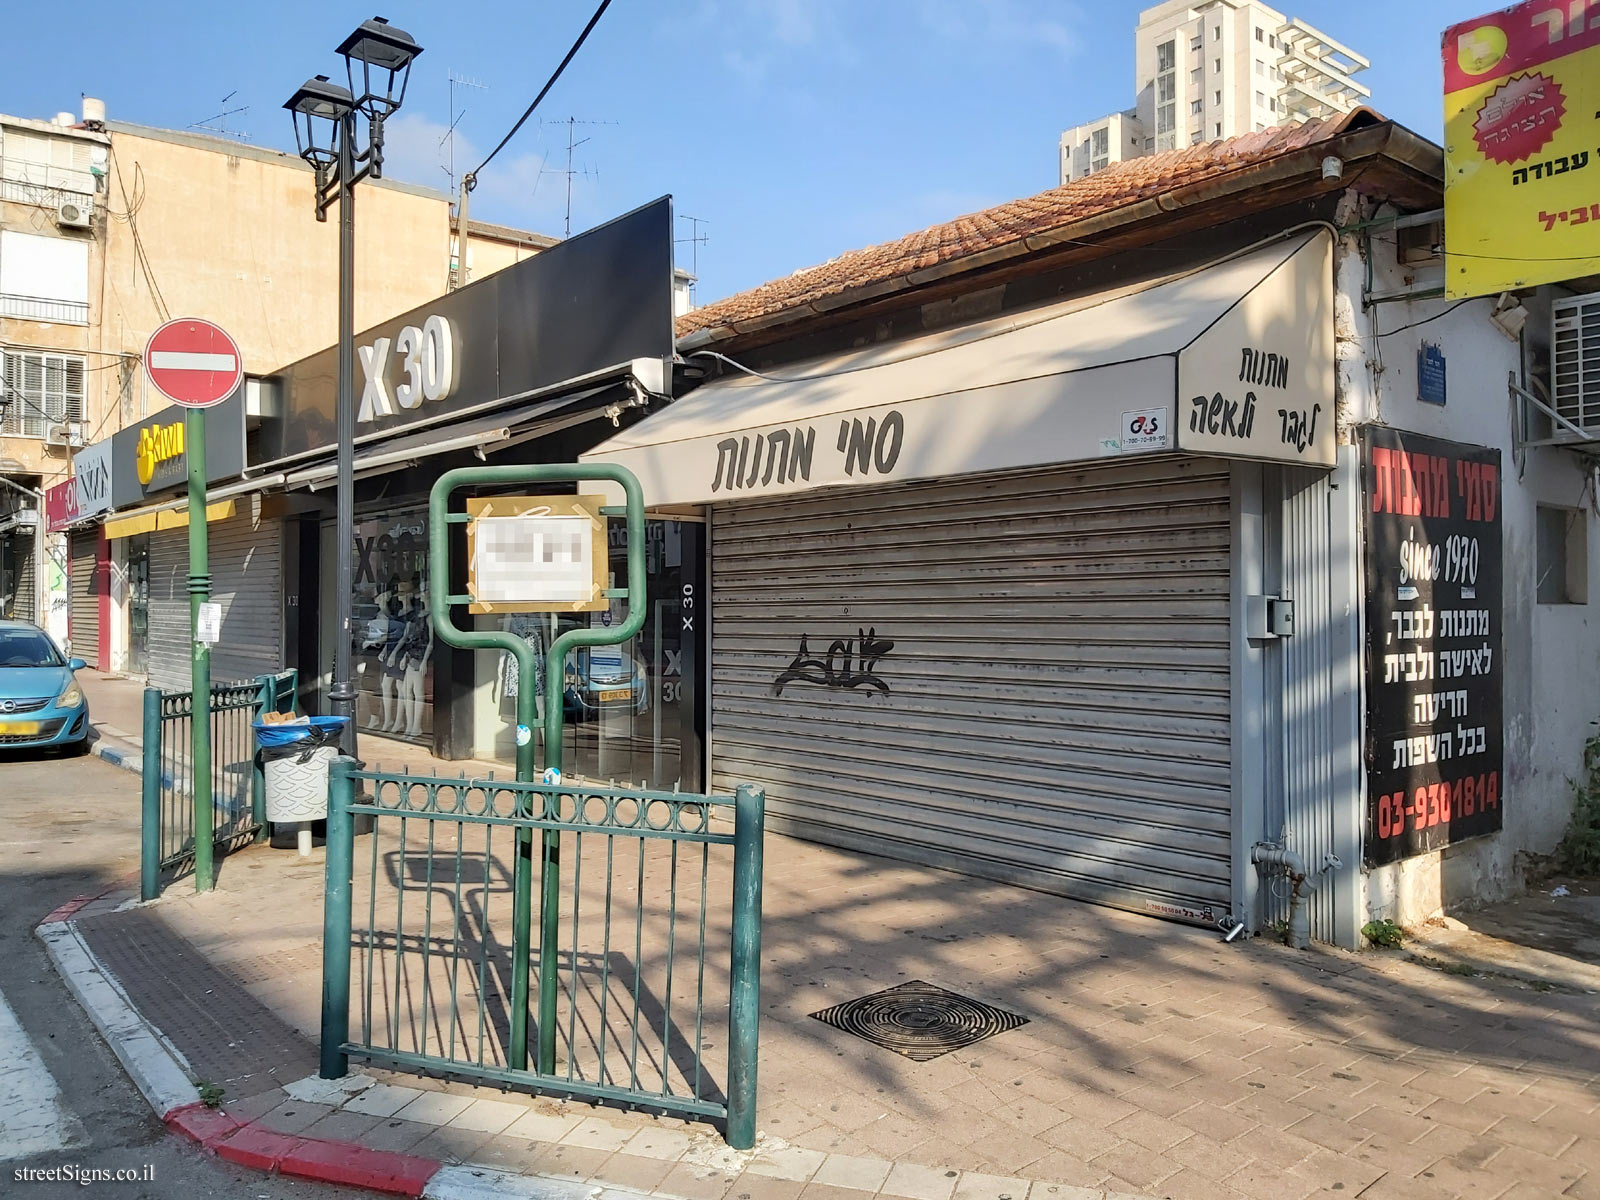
1117,185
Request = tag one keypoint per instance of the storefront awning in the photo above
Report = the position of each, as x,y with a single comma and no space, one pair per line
492,431
1233,359
172,515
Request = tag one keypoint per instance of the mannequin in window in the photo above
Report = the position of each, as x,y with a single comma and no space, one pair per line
412,655
383,638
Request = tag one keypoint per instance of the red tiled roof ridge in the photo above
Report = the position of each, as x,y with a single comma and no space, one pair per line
1119,184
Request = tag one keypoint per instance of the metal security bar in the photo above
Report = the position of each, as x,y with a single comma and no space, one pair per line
653,988
238,804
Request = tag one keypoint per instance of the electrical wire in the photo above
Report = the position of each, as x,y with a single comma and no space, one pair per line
1425,320
131,212
550,83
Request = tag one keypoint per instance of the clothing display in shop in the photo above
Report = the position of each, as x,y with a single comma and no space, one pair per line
410,657
380,638
530,627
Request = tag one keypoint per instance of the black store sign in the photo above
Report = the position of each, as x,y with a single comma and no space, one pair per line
592,302
1435,759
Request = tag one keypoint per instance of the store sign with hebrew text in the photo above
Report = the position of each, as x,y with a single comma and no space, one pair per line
1522,147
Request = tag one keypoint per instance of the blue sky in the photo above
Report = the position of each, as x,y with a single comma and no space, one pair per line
797,129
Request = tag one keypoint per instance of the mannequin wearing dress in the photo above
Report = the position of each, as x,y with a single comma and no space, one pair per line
412,655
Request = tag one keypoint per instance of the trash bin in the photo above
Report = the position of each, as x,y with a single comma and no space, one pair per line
294,768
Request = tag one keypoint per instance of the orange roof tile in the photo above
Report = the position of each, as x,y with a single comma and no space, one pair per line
1117,185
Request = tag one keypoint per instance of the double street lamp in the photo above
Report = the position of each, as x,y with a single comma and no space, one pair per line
325,131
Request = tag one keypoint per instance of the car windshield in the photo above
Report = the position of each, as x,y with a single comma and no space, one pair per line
27,648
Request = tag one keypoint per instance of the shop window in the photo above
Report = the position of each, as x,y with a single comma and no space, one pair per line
39,391
630,712
394,642
1563,555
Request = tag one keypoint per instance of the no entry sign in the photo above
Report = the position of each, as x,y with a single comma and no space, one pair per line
193,362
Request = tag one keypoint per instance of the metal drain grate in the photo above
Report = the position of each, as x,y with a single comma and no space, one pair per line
919,1020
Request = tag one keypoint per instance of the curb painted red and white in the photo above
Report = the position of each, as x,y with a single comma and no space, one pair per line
165,1080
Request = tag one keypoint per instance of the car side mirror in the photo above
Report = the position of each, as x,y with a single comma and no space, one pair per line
76,664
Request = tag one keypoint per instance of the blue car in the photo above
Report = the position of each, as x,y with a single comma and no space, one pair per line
41,703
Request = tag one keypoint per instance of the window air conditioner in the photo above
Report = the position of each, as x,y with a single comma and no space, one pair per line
74,213
1575,359
68,433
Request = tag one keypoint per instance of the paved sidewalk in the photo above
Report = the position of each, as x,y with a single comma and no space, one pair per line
1156,1060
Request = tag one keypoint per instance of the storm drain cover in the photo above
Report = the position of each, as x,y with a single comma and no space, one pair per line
919,1020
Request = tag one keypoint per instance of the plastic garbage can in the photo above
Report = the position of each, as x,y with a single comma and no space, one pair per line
294,768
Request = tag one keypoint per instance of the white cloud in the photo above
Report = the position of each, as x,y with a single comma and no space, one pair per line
515,188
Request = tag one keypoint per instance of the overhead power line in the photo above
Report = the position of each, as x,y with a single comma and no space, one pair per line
550,83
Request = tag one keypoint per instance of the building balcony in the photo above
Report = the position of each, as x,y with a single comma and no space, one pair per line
40,308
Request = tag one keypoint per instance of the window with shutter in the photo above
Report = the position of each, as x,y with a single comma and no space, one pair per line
41,390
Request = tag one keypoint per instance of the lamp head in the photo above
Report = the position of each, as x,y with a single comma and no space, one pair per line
318,107
385,54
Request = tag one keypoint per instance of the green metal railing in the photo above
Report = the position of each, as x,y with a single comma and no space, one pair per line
238,806
651,993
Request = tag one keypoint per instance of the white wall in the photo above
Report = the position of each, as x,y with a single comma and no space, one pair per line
1551,654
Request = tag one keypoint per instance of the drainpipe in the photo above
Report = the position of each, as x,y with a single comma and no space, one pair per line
1304,882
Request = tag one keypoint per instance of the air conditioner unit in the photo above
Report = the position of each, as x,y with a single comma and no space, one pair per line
74,213
68,433
1575,360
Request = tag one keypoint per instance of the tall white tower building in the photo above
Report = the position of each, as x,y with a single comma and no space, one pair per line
1213,70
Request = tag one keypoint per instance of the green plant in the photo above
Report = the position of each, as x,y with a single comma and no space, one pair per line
1384,934
1579,851
210,1094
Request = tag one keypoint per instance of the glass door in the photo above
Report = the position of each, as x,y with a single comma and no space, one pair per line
139,604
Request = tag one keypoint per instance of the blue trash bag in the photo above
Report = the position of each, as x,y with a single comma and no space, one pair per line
321,731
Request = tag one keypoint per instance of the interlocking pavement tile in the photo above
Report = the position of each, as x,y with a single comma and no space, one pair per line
1219,1124
341,1126
451,1145
793,1163
1514,1162
1467,1185
1337,1172
1330,1132
1134,1165
381,1100
849,1171
1201,1154
813,1191
920,1183
1401,1187
658,1142
395,1134
434,1108
1530,1135
488,1116
1150,1131
293,1116
1081,1137
633,1172
1062,1191
973,1185
1263,1182
543,1127
596,1133
1474,1118
1191,1185
569,1162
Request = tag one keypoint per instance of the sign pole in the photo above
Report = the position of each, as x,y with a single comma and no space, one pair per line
194,437
194,363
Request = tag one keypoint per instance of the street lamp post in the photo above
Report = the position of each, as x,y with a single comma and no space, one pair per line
325,120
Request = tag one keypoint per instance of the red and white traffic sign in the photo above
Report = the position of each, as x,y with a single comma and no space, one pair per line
193,362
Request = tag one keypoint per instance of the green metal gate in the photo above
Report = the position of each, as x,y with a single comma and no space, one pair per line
651,996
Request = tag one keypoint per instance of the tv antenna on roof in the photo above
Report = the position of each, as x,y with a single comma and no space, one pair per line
449,167
588,173
218,122
695,240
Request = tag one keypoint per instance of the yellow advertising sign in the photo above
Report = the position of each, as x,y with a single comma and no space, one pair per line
1522,147
157,444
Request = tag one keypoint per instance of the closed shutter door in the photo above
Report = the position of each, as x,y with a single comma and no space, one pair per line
87,583
168,639
246,579
1054,710
25,605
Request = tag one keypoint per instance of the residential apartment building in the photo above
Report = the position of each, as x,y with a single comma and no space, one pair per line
1216,70
107,229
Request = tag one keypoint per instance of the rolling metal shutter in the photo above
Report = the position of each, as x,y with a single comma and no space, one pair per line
86,582
24,597
1057,712
246,579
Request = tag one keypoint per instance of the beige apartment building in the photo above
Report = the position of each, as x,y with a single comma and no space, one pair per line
1214,70
106,230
